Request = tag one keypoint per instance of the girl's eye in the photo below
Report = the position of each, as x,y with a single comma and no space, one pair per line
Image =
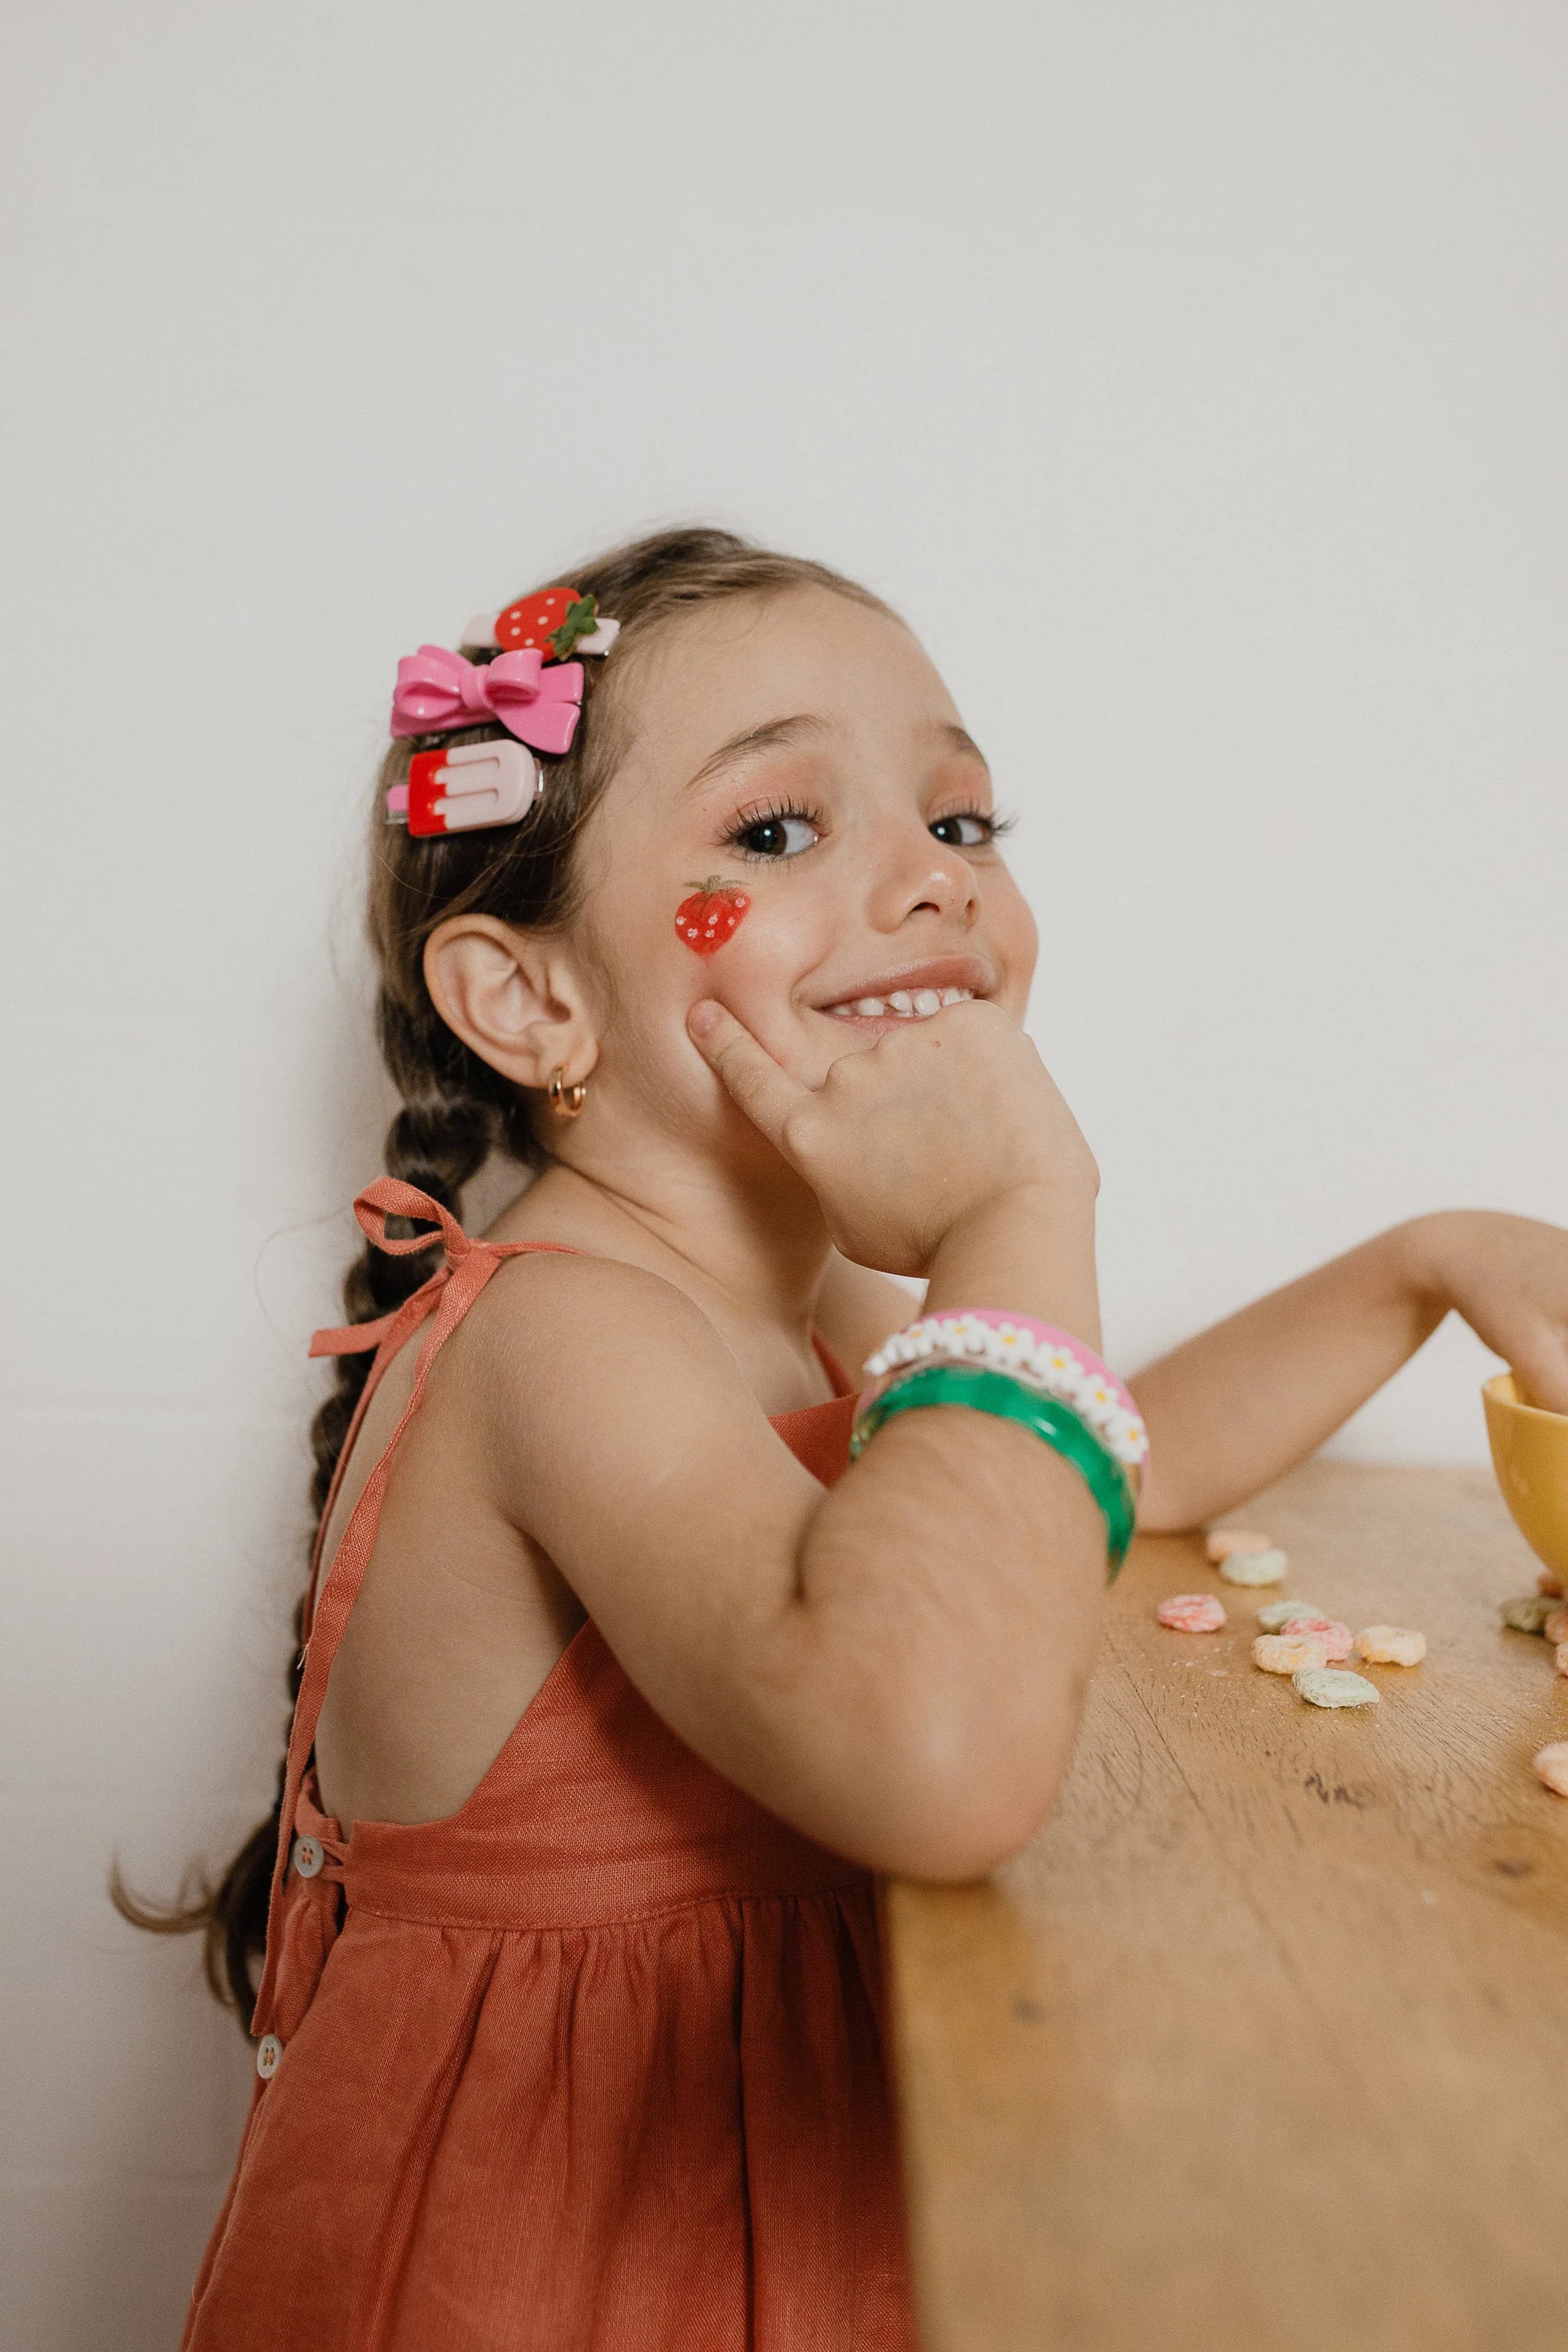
966,830
784,834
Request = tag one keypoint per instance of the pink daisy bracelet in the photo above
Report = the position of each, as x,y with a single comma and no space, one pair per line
1038,1355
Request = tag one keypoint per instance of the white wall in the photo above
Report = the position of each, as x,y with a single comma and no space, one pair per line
1192,373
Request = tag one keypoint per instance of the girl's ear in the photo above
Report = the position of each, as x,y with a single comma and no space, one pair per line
512,997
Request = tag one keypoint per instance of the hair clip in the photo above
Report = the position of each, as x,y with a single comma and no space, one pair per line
465,788
556,624
531,689
438,690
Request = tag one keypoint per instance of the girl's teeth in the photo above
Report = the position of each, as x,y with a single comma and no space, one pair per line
918,1007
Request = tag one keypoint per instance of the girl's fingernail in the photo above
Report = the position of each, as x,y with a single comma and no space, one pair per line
701,1017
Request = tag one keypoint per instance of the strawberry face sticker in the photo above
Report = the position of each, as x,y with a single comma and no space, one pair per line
711,916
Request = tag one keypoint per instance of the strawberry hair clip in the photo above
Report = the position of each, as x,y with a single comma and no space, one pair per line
533,688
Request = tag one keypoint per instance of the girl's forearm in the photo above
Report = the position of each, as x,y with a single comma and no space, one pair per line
949,1587
1243,1402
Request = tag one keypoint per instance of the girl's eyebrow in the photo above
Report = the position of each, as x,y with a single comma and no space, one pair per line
805,726
764,737
959,739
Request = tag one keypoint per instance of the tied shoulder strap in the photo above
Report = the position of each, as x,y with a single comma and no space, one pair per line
466,1268
452,1290
390,1197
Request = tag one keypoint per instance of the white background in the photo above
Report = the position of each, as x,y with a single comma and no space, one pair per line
1192,375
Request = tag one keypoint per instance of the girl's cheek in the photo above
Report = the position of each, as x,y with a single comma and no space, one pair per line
1014,935
757,972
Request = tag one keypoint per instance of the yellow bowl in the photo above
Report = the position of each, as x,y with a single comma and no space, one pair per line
1530,1454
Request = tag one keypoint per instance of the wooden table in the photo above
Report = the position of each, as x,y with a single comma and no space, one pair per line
1262,2045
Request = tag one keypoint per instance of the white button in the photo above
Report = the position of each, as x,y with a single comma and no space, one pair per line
269,2050
309,1856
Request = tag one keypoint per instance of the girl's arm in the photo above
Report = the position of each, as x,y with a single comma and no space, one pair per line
1243,1402
896,1666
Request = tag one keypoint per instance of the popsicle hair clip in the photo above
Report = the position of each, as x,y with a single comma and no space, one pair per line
533,688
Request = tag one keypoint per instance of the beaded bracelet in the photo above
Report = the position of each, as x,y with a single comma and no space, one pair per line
1059,1423
1050,1362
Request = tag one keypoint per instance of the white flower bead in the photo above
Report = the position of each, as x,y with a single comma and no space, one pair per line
1010,1350
1124,1435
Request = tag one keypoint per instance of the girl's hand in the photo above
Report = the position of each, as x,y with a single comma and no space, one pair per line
1508,1276
905,1140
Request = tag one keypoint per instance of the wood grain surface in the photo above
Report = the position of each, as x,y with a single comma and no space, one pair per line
1262,2046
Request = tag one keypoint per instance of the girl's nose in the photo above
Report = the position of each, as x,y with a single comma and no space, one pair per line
926,877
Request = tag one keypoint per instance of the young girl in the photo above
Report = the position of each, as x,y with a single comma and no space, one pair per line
620,1682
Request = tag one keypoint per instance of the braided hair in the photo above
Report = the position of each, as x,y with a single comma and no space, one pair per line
456,1110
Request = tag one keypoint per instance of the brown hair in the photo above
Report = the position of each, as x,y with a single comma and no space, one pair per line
456,1108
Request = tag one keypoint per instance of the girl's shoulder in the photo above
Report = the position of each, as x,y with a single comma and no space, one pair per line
602,1324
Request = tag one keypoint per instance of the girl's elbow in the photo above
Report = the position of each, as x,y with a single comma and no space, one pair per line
1168,1505
958,1822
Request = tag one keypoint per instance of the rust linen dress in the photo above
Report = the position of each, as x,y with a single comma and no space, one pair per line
596,2064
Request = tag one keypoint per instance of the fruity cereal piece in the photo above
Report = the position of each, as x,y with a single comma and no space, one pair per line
1220,1542
1390,1645
1337,1639
1551,1765
1254,1566
1528,1613
1556,1626
1274,1616
1546,1583
1288,1653
1330,1686
711,916
1560,1656
1192,1613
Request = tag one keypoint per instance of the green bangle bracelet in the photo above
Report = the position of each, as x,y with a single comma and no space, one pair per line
997,1392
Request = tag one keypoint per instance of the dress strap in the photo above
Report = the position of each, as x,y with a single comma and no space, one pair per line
468,1266
474,1261
389,1197
843,1385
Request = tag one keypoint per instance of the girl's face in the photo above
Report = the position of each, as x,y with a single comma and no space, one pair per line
803,747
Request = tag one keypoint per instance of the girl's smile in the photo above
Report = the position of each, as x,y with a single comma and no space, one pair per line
912,992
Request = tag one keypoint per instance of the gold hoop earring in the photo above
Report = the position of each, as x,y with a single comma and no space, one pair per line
566,1101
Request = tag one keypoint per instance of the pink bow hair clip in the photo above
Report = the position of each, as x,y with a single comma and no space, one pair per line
438,690
465,788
